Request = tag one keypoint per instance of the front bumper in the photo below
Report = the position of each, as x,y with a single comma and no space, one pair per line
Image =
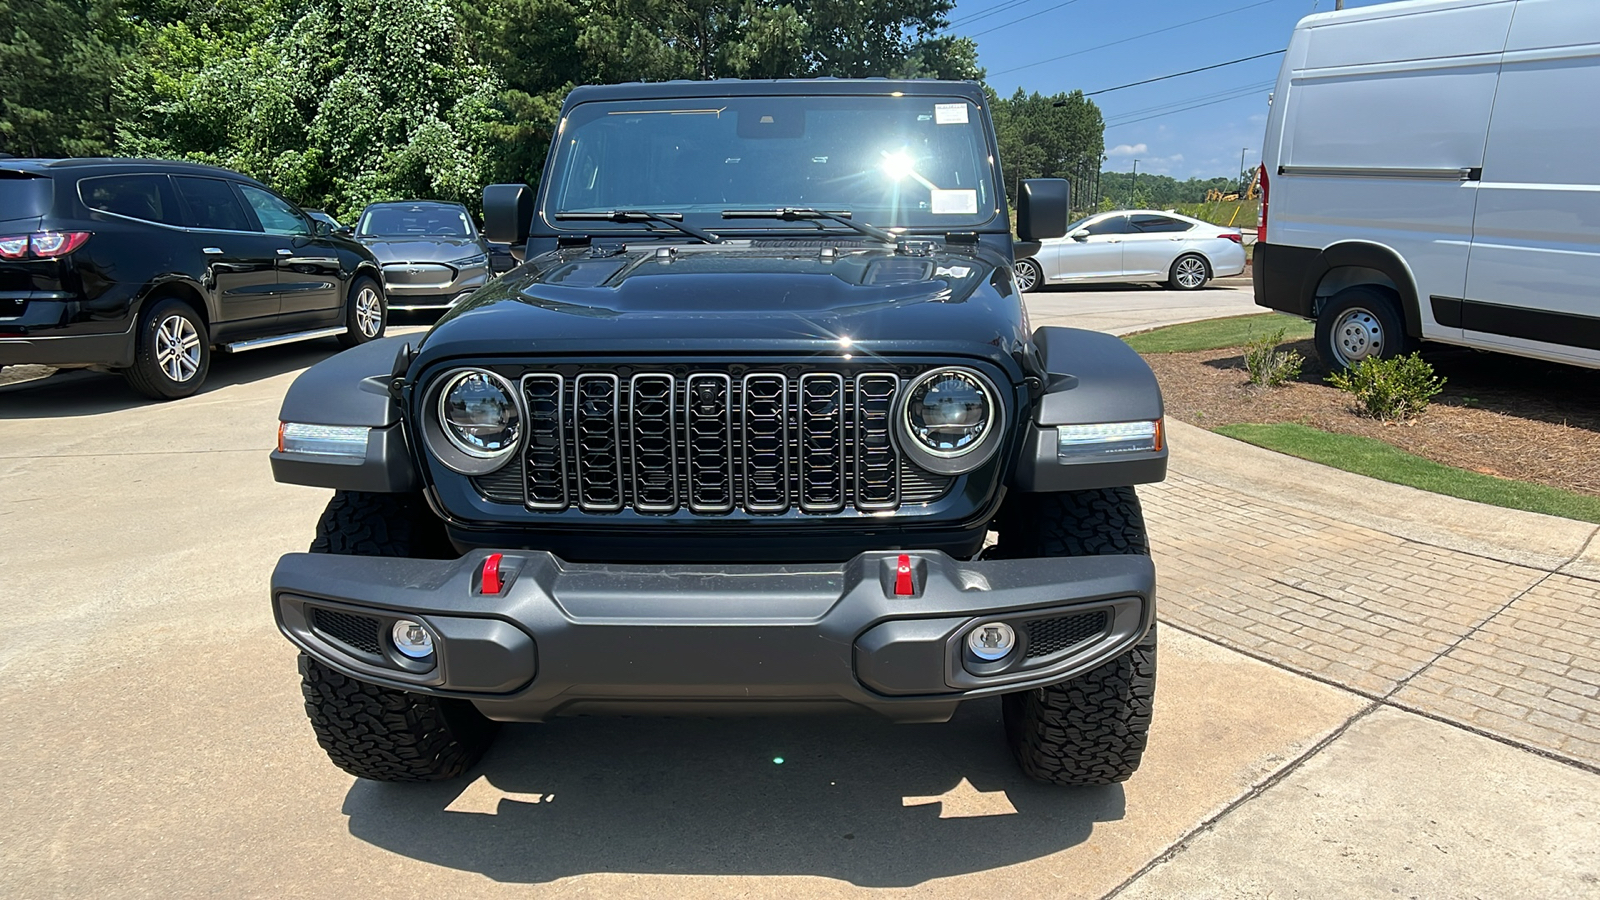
564,638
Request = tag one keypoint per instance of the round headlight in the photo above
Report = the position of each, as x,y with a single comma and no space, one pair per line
949,421
480,420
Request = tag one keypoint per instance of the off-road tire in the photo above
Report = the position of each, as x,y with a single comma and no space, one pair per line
147,375
1092,729
382,734
371,731
355,331
1385,328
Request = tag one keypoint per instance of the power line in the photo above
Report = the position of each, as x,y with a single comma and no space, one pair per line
1231,62
1136,37
1022,18
1012,4
1176,111
1229,92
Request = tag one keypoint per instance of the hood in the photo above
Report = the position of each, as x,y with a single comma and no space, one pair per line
425,249
795,297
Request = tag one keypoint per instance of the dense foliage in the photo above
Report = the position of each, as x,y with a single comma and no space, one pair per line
342,102
1121,190
1061,136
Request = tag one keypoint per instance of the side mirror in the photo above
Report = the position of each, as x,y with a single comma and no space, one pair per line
320,228
507,213
1042,208
1082,234
345,230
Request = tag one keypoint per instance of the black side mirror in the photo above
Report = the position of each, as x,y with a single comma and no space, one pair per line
345,230
507,213
320,228
1042,208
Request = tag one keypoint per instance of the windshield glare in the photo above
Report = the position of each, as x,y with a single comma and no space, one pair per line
415,221
889,161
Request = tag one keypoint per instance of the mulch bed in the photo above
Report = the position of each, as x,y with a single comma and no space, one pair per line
1499,415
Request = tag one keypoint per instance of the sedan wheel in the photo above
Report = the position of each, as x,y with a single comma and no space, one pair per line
1028,276
1189,272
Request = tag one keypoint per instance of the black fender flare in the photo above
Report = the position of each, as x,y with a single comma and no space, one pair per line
1360,254
1090,378
352,389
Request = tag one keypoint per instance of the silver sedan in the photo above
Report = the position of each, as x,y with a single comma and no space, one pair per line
432,254
1133,245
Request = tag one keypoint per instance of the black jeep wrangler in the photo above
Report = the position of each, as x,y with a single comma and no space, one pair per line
758,426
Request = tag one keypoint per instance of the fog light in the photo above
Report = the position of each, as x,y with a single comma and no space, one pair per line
412,639
992,640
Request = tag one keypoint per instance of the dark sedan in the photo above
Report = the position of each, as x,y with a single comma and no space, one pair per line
432,253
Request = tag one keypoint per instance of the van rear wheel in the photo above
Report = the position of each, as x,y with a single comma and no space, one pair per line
1361,322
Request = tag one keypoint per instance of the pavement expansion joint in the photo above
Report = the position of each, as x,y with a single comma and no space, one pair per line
1261,787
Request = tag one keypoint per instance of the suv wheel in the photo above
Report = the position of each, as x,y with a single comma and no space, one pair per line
366,314
372,731
1092,729
172,354
1360,322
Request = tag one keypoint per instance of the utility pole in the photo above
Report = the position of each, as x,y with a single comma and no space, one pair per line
1242,152
1133,184
1338,4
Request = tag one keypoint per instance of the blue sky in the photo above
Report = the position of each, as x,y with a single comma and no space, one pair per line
1202,142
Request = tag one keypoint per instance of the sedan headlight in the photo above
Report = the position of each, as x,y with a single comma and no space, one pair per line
950,421
476,421
469,262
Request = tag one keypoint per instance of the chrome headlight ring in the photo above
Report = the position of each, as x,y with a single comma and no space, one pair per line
960,460
445,439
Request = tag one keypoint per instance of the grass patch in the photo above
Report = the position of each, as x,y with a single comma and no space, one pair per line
1375,459
1215,334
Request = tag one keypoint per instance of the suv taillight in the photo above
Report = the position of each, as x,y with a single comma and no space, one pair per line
41,244
1261,222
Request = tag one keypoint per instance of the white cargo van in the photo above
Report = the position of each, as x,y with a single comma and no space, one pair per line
1432,172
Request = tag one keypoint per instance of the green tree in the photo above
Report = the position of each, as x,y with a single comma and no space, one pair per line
58,59
1060,136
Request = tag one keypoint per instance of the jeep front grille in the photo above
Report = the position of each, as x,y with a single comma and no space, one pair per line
711,442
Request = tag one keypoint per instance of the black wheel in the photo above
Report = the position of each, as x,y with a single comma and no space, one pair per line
371,731
1360,322
1029,276
173,352
1189,272
1092,729
366,312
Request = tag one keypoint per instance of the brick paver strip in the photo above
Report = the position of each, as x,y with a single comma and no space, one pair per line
1531,673
1369,610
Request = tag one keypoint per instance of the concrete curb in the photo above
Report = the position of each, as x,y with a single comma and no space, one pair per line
1523,538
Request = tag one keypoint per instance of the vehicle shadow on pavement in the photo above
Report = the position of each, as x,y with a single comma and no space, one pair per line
82,392
857,799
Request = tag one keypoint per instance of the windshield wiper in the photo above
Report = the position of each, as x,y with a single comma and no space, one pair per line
802,214
640,215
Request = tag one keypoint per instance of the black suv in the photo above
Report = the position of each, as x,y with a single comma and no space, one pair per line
758,427
143,266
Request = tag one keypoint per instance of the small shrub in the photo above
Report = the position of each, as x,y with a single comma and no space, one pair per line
1390,389
1267,365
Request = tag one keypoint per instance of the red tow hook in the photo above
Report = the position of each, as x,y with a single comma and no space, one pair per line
902,577
491,574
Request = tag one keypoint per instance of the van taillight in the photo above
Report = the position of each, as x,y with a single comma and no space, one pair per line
41,244
1261,221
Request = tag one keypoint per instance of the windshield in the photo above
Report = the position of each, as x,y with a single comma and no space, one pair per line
889,161
415,221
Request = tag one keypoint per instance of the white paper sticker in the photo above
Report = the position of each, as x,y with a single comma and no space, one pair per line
954,203
950,113
952,271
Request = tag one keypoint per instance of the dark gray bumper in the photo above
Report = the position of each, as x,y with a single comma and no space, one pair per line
566,638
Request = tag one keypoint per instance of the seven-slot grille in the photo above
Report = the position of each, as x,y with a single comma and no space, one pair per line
712,442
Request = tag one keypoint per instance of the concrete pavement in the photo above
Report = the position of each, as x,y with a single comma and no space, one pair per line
1304,741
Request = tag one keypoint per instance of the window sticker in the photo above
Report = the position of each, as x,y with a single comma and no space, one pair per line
950,113
954,203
